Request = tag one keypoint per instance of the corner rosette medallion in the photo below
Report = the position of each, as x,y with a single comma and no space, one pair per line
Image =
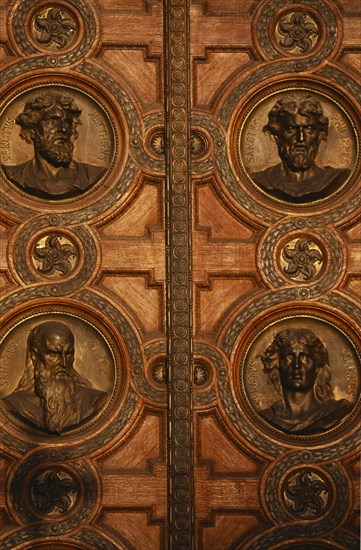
297,32
55,256
306,494
306,30
301,259
54,492
54,28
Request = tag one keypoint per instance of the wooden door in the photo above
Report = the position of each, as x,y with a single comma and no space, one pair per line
276,267
180,345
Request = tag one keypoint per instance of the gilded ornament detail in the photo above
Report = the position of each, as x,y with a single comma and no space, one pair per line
200,375
159,371
302,259
54,28
305,494
157,143
54,492
198,144
197,141
297,32
55,257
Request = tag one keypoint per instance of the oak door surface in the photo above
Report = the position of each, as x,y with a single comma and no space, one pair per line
276,242
180,274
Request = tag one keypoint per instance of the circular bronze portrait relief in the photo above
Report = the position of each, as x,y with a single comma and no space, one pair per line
57,372
57,141
297,145
301,375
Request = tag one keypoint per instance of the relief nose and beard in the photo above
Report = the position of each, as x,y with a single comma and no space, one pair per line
57,395
58,150
299,156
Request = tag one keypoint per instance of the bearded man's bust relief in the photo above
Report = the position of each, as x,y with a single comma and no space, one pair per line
51,394
49,122
298,125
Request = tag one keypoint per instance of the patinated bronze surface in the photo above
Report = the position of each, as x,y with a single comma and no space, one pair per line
57,372
49,120
297,365
314,141
51,394
311,366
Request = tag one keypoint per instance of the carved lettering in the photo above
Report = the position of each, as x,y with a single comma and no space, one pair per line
346,142
102,134
5,139
100,355
351,372
252,383
6,363
251,138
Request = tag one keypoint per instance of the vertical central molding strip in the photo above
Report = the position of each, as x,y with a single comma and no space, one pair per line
179,288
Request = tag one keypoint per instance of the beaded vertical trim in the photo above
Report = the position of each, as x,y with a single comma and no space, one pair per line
179,298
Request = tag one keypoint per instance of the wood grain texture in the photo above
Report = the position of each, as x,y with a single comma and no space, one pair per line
128,259
228,277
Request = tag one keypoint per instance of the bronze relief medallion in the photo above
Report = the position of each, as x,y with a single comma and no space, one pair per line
301,375
297,145
57,142
58,372
53,492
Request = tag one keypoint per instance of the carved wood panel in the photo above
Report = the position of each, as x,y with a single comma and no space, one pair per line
276,273
83,281
180,274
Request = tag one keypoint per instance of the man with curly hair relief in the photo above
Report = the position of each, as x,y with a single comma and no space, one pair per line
298,126
297,366
49,122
